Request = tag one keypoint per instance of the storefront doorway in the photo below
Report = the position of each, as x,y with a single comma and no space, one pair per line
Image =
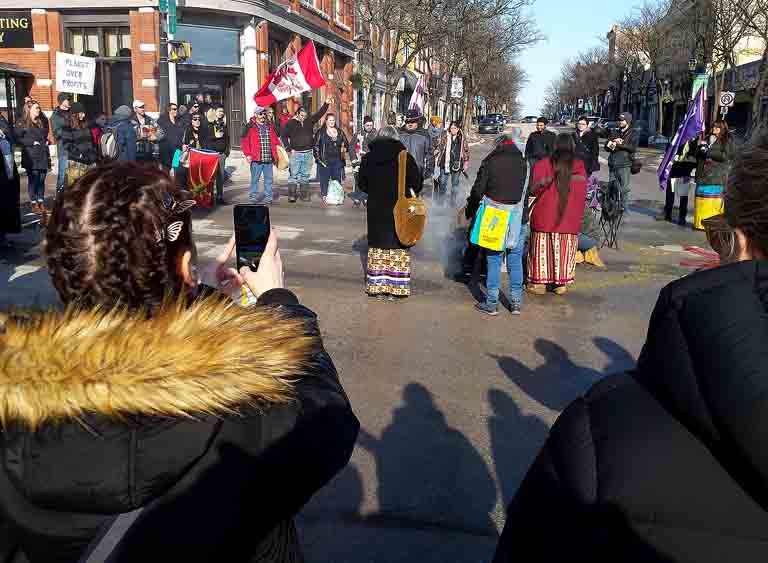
15,83
215,86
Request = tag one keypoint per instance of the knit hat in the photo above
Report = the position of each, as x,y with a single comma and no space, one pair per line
123,111
626,116
77,107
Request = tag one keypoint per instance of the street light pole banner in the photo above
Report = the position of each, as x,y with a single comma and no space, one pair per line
419,97
457,87
75,74
298,74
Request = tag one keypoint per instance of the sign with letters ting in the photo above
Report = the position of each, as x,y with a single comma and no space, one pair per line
75,74
16,30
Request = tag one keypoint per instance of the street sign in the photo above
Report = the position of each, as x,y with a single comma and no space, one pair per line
163,6
580,103
171,16
727,99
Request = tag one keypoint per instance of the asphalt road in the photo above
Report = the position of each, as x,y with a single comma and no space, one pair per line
454,405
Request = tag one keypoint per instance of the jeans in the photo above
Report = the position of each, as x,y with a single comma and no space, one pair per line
332,171
623,176
62,156
36,186
300,167
455,179
221,176
586,242
257,168
514,270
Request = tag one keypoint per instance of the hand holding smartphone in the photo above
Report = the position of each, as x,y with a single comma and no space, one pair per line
258,257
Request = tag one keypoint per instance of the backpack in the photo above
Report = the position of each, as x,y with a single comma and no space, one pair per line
108,144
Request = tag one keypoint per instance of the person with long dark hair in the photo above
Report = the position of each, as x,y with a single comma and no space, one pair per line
715,155
78,144
154,398
452,158
559,185
330,144
32,135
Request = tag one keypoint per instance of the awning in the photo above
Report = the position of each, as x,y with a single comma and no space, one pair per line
15,69
407,81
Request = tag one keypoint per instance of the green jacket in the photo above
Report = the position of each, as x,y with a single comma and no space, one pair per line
714,164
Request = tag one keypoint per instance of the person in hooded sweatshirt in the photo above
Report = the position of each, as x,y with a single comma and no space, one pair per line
388,274
667,462
125,133
418,142
157,399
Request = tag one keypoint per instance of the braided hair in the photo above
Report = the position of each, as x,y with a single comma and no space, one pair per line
102,243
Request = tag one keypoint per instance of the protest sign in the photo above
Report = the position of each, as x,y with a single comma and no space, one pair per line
75,74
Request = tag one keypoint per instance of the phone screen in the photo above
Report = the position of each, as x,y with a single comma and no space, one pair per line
251,234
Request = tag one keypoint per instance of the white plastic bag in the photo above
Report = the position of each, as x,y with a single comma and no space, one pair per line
335,193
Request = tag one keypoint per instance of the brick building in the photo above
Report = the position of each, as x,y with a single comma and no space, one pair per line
235,45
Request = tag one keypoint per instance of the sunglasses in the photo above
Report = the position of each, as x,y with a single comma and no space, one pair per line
195,119
173,109
720,236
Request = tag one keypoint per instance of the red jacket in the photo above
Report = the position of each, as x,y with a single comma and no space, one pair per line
251,144
545,210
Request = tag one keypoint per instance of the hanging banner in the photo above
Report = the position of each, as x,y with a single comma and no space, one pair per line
75,74
419,97
16,30
457,87
699,81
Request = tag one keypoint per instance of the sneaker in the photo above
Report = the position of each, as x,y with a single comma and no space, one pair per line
515,307
487,308
267,202
255,198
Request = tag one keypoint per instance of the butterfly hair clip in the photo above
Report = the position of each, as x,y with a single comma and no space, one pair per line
177,207
170,233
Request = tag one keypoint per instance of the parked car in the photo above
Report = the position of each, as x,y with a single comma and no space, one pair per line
496,116
530,118
564,120
490,125
592,120
605,128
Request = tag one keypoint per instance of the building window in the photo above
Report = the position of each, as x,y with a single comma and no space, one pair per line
99,41
211,45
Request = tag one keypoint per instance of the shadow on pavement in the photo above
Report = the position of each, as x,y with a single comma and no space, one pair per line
429,475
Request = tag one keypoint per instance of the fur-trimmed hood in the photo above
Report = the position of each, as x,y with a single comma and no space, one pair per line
208,358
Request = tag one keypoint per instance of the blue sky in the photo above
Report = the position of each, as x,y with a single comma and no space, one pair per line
570,26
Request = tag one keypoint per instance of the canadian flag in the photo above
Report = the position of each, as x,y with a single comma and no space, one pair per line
298,74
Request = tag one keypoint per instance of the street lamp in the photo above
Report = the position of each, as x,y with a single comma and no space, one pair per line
692,65
362,42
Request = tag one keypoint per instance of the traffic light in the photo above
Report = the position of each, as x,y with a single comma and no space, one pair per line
179,51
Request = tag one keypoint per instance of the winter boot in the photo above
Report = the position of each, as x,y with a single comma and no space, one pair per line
579,257
305,195
683,211
592,256
292,193
669,203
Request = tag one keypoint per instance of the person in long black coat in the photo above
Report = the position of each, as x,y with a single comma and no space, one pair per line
587,145
10,185
388,272
174,127
668,462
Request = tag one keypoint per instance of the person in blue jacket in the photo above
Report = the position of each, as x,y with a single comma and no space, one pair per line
124,132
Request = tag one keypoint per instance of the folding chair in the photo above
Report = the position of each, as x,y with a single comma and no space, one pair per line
611,213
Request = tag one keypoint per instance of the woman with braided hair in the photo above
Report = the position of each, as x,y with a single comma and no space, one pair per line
204,425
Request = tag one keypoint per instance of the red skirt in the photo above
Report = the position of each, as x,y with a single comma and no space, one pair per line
552,258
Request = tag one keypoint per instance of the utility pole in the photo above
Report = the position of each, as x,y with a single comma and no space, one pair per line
168,88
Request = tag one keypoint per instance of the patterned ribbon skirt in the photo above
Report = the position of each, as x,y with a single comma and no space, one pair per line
552,258
389,272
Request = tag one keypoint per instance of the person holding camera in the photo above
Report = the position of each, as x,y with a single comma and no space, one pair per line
622,145
159,415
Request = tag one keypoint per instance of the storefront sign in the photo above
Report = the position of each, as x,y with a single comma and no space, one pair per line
75,74
457,87
16,30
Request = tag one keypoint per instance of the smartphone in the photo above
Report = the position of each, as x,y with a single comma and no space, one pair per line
252,230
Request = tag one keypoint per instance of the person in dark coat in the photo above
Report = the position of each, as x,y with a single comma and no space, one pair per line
82,153
622,145
10,185
218,140
540,144
134,406
388,273
667,462
418,142
587,145
59,118
170,123
330,150
501,181
125,133
32,135
298,139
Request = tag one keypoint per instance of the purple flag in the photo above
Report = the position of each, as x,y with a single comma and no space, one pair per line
692,125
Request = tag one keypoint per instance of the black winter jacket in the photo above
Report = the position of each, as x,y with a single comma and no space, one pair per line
323,142
539,146
59,119
501,177
378,178
174,132
666,463
218,144
298,136
34,156
223,445
79,145
588,150
622,155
